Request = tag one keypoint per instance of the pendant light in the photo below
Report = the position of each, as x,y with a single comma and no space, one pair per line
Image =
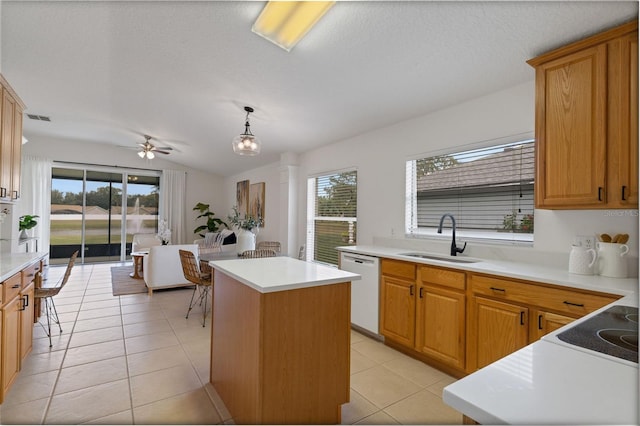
246,143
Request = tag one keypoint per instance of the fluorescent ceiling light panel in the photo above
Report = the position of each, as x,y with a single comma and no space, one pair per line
285,22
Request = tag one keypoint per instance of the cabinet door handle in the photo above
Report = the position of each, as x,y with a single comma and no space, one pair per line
599,193
3,192
580,305
623,188
540,322
24,304
502,290
420,292
16,286
16,197
521,317
411,290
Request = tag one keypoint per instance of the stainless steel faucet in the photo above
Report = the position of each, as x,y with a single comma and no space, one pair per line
454,249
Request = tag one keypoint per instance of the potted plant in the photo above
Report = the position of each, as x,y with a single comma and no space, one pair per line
246,238
25,223
213,223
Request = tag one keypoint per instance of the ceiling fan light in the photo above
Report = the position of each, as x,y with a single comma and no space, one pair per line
141,154
150,155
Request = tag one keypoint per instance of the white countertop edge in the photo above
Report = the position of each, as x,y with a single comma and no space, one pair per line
281,273
523,271
12,263
553,390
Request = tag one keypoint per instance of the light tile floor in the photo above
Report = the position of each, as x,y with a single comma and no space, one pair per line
135,359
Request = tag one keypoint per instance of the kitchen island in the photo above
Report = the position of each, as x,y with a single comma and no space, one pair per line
280,335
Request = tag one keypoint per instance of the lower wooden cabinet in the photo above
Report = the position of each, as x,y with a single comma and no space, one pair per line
496,329
440,325
27,314
10,342
462,321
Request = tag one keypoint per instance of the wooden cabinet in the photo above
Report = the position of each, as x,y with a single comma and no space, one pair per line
10,342
11,110
16,322
423,310
397,301
587,121
440,315
497,329
505,315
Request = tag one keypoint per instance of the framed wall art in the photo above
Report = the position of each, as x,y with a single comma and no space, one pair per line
242,197
256,201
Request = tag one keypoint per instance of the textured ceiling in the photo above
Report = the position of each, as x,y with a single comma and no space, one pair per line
108,72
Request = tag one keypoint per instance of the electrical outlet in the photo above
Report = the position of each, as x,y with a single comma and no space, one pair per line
586,241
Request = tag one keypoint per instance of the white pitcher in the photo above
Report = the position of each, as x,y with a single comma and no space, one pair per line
581,260
611,260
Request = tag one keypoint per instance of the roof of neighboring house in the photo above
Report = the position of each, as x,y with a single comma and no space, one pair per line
77,209
514,164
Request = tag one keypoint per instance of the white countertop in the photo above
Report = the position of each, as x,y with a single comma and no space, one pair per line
11,263
518,270
272,274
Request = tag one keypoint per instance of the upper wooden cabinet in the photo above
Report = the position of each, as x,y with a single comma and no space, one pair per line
587,122
10,142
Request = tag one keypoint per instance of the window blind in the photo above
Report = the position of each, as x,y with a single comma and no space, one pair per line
332,215
488,190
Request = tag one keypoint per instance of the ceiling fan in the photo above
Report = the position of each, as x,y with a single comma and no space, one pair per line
148,150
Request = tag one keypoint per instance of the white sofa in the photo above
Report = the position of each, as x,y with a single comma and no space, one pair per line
142,242
162,267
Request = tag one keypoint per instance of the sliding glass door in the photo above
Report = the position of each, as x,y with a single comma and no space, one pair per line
87,212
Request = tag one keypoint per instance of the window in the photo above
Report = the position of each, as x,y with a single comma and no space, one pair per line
488,190
331,215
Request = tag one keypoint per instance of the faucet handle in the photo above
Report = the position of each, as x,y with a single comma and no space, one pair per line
460,250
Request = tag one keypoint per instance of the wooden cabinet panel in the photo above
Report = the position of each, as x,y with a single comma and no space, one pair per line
587,122
568,301
397,309
11,287
443,277
6,144
498,329
623,121
440,325
569,129
545,323
398,268
16,152
29,273
26,320
10,343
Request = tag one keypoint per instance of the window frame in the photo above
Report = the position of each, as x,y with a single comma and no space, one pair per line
412,230
311,213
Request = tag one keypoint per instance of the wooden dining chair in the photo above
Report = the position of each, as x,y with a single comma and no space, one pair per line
269,245
46,294
253,254
201,280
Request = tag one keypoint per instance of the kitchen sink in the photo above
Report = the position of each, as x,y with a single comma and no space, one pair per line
441,258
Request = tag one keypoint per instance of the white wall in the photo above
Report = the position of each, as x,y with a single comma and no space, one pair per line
380,155
201,187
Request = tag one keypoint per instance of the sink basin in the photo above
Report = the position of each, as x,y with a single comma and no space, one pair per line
441,258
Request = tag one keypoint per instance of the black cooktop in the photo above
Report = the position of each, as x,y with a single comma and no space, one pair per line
613,332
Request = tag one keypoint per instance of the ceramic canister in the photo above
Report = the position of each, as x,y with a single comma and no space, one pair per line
581,260
611,259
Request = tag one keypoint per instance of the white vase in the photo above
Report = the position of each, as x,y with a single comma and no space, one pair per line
246,240
23,234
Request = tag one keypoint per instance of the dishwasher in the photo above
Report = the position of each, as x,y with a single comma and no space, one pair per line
364,292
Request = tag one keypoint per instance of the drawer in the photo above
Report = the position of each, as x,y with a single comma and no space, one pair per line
11,287
443,277
398,268
570,301
29,273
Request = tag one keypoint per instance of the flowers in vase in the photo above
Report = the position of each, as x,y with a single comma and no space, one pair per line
248,223
164,233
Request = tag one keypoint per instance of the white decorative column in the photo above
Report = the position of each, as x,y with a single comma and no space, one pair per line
288,203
